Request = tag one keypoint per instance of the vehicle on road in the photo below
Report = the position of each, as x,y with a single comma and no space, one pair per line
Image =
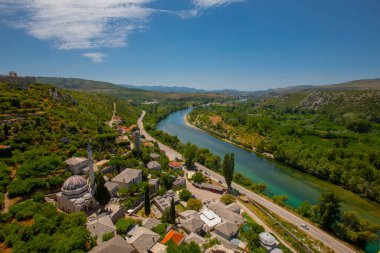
304,226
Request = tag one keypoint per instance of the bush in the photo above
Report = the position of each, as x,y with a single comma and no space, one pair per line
107,236
198,178
39,197
124,225
194,204
185,195
227,199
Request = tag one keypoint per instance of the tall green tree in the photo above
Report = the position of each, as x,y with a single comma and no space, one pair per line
6,130
228,168
101,194
172,212
327,211
189,154
147,201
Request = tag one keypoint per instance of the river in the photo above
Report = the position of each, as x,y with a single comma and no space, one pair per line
280,180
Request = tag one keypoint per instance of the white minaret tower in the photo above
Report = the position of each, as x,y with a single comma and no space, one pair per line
91,168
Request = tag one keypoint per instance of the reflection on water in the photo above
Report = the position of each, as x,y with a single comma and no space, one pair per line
280,180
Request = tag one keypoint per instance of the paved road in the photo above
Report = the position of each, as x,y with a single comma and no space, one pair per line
315,232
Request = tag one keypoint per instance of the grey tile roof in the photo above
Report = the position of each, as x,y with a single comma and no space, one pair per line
153,165
225,214
114,245
227,228
75,160
193,237
142,238
192,224
111,186
126,176
101,226
150,222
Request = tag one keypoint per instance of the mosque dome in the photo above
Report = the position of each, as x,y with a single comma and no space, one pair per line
267,239
74,183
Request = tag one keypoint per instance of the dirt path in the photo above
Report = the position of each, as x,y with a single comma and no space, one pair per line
110,123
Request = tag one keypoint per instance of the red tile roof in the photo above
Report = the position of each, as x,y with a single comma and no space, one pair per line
175,164
4,147
174,236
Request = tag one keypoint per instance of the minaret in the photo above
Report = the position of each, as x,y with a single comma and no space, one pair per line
137,141
91,168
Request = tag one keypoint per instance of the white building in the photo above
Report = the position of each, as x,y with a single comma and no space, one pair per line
209,217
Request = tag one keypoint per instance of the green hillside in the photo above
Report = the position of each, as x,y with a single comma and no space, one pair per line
332,135
45,125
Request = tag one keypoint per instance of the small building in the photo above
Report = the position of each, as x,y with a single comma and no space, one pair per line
233,207
128,177
114,245
164,201
148,144
115,211
209,217
77,164
193,237
193,225
268,241
150,223
174,236
175,165
227,230
158,248
112,188
154,156
211,187
142,239
100,227
154,184
187,214
221,210
153,165
179,183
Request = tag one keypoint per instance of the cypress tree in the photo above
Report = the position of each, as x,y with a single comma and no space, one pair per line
6,130
172,212
101,194
147,200
228,168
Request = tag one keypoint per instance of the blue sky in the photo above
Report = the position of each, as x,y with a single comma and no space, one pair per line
209,44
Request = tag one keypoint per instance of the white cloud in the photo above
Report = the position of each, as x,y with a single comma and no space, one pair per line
88,24
95,57
84,24
213,3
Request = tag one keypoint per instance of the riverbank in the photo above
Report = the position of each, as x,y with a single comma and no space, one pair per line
265,154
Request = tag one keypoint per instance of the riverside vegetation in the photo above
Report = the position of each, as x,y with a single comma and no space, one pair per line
345,224
332,135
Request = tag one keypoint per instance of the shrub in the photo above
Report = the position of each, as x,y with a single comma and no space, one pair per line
194,204
185,195
107,236
227,199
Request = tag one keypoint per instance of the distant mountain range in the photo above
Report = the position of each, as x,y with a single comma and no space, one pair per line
82,84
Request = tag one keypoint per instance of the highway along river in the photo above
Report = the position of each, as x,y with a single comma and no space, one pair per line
280,180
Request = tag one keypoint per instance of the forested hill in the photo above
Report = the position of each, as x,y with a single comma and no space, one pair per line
78,84
44,126
334,135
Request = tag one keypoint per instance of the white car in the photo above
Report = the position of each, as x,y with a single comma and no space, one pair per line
304,226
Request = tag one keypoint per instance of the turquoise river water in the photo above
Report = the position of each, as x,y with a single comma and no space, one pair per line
280,180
